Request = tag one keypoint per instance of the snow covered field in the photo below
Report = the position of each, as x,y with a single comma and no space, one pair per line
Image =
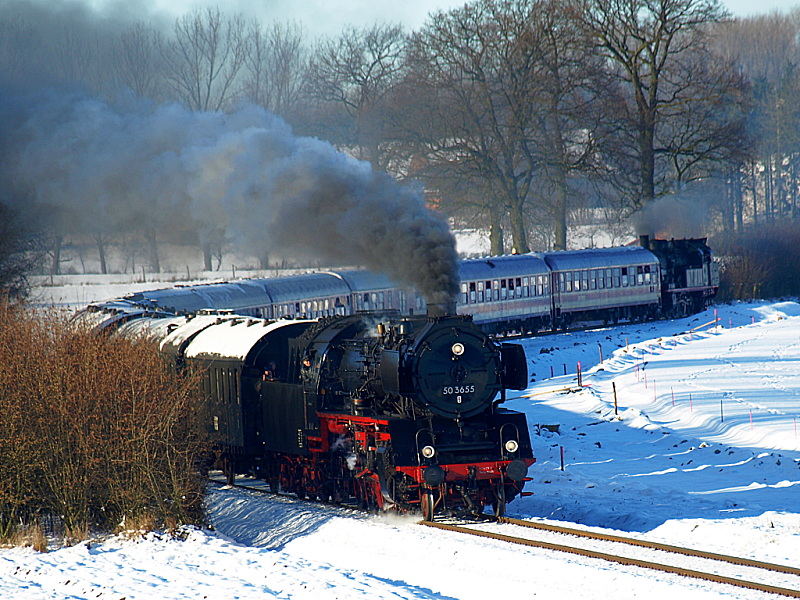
703,449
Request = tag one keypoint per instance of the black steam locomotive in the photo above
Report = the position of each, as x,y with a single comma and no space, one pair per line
385,411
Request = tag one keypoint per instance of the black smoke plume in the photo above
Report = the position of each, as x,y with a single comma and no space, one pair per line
105,167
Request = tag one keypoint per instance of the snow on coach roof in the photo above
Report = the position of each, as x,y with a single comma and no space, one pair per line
233,337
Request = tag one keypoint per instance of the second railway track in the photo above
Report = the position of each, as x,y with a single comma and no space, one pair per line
741,572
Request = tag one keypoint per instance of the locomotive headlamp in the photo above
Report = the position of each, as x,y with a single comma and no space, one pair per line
428,451
458,349
512,446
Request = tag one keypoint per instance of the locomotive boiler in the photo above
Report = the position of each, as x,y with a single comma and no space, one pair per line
375,409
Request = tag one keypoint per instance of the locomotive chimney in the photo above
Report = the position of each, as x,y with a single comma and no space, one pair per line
441,309
644,241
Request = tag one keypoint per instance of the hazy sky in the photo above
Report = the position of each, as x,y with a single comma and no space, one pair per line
329,16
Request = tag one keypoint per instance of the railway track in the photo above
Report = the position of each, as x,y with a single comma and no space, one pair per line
718,568
741,572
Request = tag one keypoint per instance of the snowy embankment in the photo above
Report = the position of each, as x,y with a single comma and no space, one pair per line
702,449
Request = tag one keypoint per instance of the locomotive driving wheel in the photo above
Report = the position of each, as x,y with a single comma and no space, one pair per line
426,504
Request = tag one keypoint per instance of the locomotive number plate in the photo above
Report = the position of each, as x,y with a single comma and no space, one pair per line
458,389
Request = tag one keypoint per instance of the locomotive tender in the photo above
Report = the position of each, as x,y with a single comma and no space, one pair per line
387,411
539,291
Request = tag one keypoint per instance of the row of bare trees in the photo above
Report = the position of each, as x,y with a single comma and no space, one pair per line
514,113
96,431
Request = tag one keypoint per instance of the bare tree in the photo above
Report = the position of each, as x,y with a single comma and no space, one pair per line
21,251
662,59
358,71
482,64
139,66
204,59
766,49
275,67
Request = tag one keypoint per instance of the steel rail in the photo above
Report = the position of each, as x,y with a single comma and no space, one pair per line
792,593
735,560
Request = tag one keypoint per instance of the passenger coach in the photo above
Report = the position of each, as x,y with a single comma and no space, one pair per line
604,284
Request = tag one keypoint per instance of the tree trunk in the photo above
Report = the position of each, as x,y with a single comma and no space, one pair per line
152,242
101,252
497,240
207,266
519,234
55,268
560,214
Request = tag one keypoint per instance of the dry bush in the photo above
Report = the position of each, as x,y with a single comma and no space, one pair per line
759,262
96,429
29,535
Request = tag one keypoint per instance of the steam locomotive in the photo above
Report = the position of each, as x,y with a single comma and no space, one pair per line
539,291
378,409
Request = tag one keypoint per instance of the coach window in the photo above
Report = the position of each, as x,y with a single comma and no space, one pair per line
568,280
624,279
647,274
495,289
640,275
476,291
503,289
617,277
593,279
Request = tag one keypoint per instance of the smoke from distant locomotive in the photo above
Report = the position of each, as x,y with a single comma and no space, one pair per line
242,175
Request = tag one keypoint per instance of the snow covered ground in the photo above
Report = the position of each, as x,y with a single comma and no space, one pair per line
703,449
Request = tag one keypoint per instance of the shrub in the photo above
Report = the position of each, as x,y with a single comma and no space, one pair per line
95,429
759,262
